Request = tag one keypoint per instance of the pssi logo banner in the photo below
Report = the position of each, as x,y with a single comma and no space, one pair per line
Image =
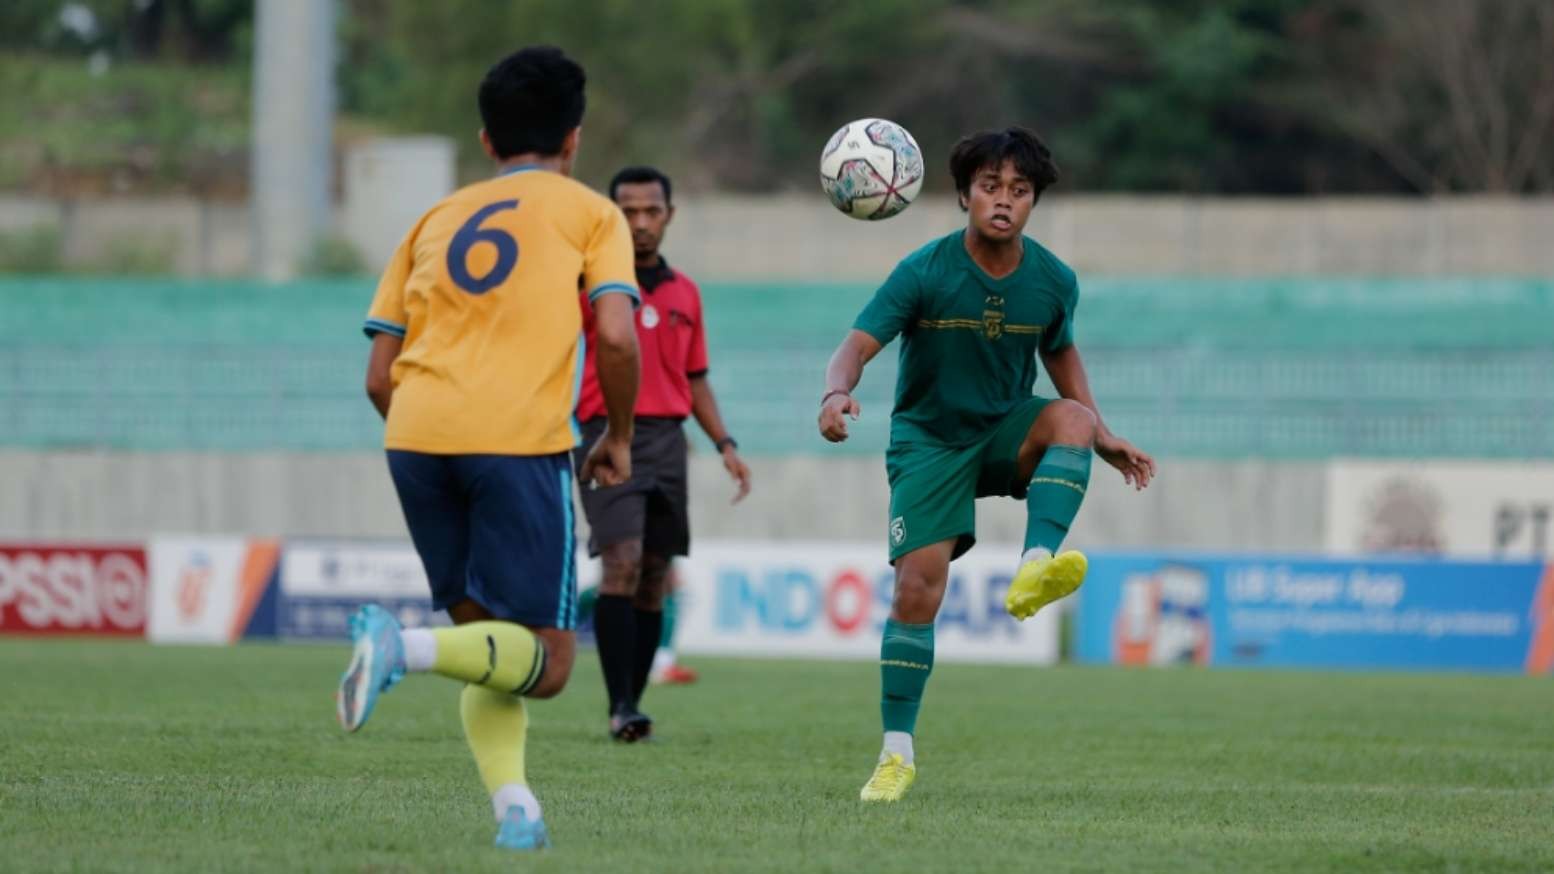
208,589
1255,611
829,600
72,589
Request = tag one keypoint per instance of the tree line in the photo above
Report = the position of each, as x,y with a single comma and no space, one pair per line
1195,96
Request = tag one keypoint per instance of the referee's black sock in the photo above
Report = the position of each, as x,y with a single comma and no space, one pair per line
650,627
615,628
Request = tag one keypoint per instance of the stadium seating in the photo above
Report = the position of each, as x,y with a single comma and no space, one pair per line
1219,368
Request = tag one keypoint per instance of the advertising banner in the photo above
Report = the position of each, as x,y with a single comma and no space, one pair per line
208,589
830,600
1461,509
62,588
1255,611
323,582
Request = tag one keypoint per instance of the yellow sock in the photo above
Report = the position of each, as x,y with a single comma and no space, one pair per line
502,656
496,726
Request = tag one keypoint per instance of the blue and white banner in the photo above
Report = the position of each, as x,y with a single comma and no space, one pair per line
323,582
830,600
1255,611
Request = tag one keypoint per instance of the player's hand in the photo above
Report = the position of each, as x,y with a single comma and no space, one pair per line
1136,465
608,463
740,471
834,413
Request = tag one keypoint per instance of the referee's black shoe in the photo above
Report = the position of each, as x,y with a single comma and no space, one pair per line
628,725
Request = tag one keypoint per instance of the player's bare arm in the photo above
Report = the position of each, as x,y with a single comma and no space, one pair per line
380,365
609,461
1067,370
842,376
704,406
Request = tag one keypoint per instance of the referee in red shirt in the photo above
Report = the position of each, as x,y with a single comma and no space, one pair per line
640,526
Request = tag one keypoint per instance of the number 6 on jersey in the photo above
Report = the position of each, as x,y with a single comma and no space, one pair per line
471,233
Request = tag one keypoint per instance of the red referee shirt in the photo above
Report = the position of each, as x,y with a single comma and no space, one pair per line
670,339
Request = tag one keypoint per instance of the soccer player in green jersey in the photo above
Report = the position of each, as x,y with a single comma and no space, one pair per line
974,310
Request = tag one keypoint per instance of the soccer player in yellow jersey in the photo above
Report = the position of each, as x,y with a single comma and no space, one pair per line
476,360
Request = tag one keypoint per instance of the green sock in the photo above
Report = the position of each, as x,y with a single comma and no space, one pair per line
906,660
1057,488
666,636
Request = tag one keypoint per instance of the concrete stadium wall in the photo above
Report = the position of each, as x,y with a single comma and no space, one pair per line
1194,504
799,237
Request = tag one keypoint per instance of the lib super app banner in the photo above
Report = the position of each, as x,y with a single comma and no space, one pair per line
1258,611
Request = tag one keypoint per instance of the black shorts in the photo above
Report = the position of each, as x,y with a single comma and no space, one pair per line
653,505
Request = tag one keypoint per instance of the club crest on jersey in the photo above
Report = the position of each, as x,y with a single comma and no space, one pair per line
649,316
992,324
897,531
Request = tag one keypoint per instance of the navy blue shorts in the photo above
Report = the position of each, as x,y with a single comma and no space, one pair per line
494,529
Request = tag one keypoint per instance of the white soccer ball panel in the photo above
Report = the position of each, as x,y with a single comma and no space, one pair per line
871,169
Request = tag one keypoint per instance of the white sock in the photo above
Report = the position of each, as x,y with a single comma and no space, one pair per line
900,743
663,660
420,648
515,793
1035,553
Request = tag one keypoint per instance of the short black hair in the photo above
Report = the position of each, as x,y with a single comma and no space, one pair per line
991,148
531,100
637,175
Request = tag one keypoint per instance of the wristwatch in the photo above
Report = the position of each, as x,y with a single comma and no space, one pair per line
725,443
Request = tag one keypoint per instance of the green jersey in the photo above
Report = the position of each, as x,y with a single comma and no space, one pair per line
969,342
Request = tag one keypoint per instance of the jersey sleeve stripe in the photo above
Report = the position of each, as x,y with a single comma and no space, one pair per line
621,287
381,326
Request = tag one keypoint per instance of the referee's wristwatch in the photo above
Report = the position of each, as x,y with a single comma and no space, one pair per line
726,443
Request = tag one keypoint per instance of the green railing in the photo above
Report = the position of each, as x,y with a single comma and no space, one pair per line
1219,368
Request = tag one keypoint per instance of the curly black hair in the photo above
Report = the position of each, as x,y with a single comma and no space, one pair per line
991,148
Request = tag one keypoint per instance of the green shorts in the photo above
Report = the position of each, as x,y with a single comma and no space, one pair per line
933,489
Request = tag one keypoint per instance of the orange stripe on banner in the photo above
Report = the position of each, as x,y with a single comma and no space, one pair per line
1540,653
258,567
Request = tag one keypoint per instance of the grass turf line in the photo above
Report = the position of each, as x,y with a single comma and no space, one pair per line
123,756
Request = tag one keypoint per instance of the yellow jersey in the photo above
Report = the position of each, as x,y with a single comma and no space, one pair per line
484,291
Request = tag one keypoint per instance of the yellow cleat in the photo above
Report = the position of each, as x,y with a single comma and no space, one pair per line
1044,580
892,778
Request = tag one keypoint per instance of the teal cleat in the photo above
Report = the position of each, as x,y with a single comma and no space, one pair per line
518,832
377,663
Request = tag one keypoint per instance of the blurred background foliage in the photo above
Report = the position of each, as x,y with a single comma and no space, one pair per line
1196,96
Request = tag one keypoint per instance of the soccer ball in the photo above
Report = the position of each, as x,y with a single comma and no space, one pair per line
871,169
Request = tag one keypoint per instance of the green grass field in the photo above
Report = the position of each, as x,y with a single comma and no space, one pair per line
121,756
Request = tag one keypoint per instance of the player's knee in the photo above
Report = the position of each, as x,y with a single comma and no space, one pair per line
552,681
915,589
1073,423
622,568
